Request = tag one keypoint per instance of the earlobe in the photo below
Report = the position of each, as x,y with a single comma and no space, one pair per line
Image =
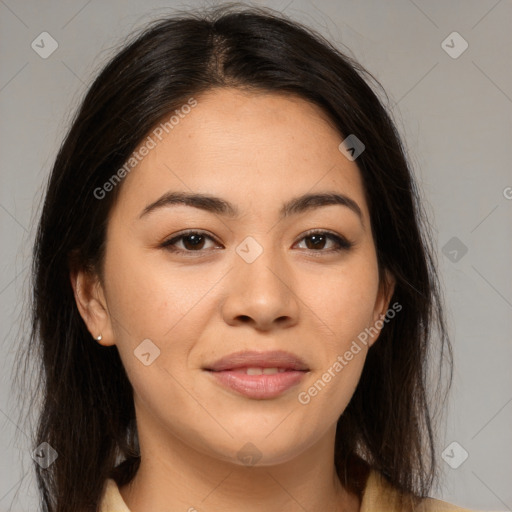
386,290
92,305
389,289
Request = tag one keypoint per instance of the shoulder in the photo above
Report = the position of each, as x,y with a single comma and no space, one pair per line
434,505
379,495
112,501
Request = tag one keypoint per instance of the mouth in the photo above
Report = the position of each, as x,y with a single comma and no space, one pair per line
258,375
256,370
251,360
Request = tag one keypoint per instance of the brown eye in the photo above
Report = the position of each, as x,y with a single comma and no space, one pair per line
316,241
192,241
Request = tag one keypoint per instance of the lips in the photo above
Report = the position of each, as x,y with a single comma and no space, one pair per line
247,360
258,375
258,370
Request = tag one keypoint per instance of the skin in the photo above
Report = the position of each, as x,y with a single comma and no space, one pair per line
257,151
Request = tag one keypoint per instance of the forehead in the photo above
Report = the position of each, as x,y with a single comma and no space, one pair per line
256,150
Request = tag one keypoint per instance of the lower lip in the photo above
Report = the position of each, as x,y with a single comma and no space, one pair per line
259,387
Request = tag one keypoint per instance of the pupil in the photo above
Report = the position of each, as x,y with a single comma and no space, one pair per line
193,240
318,238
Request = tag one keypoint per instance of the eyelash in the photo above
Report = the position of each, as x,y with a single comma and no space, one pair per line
343,243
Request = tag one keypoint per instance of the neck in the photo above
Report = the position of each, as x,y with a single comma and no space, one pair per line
174,477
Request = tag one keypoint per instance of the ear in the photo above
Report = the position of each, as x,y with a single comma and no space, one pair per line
92,305
386,290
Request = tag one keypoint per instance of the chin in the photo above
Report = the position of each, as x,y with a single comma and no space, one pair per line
253,449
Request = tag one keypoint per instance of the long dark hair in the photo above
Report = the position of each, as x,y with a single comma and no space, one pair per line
85,399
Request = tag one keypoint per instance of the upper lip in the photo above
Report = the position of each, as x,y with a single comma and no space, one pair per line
252,359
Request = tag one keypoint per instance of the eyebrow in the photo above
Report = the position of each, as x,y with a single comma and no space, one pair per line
222,207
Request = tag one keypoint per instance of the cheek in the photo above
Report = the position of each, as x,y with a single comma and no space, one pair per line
328,393
345,306
163,398
344,301
148,298
157,320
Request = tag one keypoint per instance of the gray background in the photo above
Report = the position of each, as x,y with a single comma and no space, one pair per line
455,114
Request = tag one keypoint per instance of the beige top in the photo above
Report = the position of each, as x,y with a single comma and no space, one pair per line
378,496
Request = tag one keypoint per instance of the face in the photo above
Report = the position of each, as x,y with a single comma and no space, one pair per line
293,282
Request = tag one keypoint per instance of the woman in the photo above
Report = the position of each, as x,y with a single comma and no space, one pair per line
235,292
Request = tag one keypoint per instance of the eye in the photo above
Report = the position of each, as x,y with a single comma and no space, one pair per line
318,240
195,241
192,241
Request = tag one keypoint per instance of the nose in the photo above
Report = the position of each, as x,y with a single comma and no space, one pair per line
261,293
